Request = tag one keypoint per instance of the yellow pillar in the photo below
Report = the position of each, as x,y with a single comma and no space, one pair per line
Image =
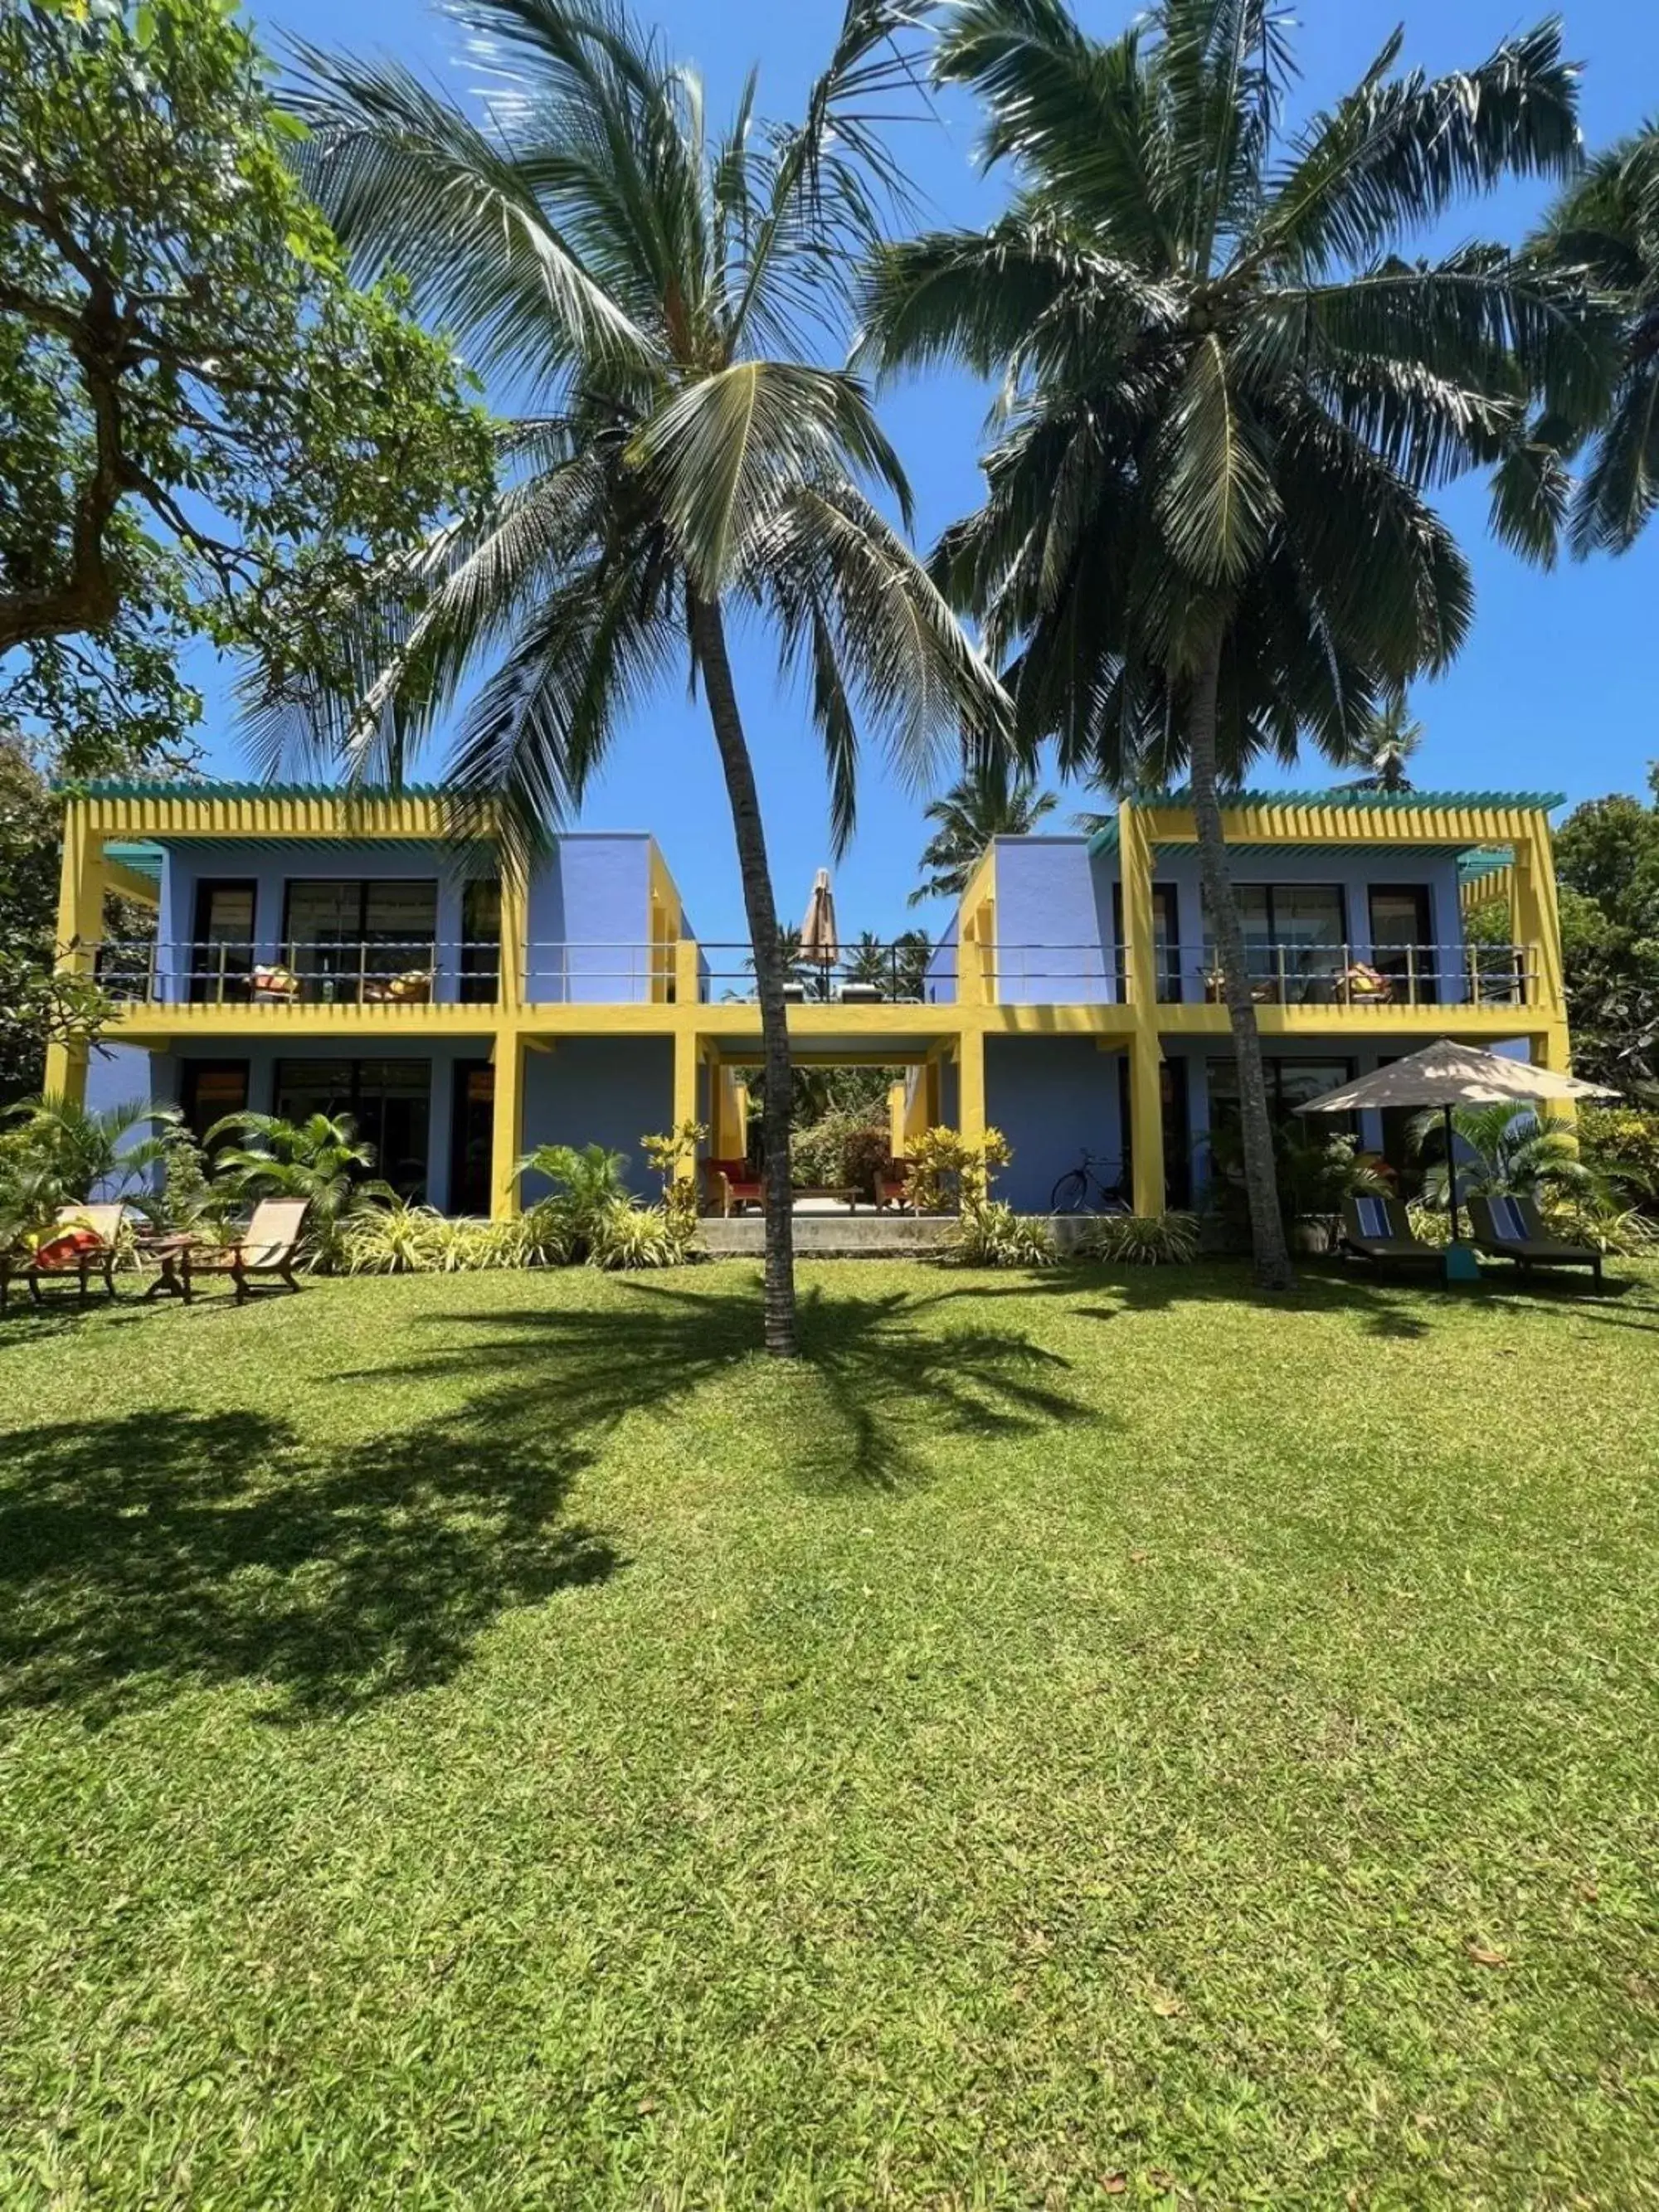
687,980
1146,1122
506,1135
515,931
688,1052
896,1093
970,1066
80,926
1139,951
1537,919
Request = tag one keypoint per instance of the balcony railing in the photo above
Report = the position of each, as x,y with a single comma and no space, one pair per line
904,972
378,971
1337,975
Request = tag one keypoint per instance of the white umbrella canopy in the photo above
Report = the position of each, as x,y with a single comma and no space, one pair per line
1448,1074
818,940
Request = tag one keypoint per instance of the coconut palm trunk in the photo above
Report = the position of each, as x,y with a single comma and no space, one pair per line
708,638
1273,1258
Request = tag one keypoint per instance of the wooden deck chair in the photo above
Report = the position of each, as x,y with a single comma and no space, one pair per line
1511,1228
270,1247
731,1185
83,1244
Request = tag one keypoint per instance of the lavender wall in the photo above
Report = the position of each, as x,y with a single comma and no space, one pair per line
1054,939
1056,942
1049,1097
600,1090
590,921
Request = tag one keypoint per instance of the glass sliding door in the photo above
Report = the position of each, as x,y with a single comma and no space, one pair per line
389,1102
349,938
1400,948
222,951
1295,940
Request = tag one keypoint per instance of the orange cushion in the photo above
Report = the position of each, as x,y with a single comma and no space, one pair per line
68,1246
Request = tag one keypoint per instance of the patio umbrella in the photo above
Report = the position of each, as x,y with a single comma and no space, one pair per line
1450,1075
818,940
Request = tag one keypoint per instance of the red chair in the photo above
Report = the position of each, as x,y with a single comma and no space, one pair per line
731,1185
893,1185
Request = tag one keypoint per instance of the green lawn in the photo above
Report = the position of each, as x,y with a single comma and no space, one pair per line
493,1742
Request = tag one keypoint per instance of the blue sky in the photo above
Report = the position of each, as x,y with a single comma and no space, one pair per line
1555,689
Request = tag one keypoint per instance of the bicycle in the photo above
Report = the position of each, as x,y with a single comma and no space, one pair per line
1083,1189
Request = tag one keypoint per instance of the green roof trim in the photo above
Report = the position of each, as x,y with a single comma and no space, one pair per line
1104,839
142,858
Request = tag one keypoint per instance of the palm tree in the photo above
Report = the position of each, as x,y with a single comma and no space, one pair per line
1608,223
1384,748
994,798
896,967
1504,1151
1225,395
661,296
320,1159
87,1149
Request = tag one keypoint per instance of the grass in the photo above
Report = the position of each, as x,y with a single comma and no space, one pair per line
491,1742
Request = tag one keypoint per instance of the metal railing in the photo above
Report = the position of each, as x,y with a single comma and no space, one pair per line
368,971
872,974
600,972
1057,974
1391,977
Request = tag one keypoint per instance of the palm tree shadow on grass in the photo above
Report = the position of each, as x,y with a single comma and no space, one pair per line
162,1551
882,1376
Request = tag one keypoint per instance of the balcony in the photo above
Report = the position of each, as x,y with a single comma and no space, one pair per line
378,972
1335,975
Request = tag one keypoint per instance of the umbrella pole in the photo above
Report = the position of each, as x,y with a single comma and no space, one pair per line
1451,1173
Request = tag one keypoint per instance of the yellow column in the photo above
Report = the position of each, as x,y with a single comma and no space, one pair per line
1146,1122
80,926
688,982
515,930
1536,918
506,1136
970,1064
688,1052
1138,952
1134,859
896,1098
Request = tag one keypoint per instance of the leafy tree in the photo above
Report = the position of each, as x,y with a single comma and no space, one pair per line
203,424
661,294
1206,533
1385,747
1606,861
992,800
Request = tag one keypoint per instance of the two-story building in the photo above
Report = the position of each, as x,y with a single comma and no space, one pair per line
316,949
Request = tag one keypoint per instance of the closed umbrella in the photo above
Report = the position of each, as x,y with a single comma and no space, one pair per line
1450,1075
818,940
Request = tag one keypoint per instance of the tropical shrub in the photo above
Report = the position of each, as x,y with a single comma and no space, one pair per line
669,1155
31,1192
947,1169
319,1159
392,1238
1621,1232
989,1234
1314,1173
1430,1224
94,1151
1141,1240
546,1237
640,1237
1509,1150
1623,1142
587,1187
863,1153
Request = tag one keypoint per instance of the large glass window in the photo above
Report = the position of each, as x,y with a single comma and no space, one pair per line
390,1101
1294,936
339,928
480,941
